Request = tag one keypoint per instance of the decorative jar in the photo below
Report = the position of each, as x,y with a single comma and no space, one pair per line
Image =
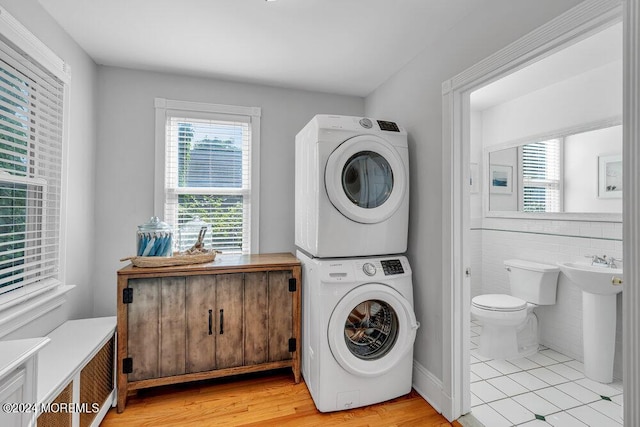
155,238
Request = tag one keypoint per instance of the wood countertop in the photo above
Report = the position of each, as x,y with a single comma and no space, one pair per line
222,263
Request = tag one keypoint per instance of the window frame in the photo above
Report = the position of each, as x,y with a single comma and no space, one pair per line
166,108
548,184
32,301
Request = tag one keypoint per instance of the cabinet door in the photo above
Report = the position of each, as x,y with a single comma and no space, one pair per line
143,318
156,327
201,325
280,315
172,327
12,390
229,320
256,318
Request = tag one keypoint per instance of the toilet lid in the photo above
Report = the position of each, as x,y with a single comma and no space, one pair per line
499,302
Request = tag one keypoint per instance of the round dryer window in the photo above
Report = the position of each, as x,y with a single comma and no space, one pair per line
371,329
366,179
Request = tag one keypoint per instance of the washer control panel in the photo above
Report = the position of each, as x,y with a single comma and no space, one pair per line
369,269
392,266
346,270
388,126
366,123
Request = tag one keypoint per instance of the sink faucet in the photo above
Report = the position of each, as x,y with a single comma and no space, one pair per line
603,261
612,262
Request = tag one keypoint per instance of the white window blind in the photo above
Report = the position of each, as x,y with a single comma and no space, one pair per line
31,125
541,176
208,176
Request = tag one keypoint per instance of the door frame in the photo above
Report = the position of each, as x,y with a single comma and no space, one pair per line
580,21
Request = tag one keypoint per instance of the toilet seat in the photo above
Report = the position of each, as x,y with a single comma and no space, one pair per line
499,302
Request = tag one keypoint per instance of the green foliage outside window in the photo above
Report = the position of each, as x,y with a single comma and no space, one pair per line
223,213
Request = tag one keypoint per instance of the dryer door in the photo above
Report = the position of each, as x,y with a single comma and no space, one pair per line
371,329
365,179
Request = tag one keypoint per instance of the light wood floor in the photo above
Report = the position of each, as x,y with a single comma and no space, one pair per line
261,400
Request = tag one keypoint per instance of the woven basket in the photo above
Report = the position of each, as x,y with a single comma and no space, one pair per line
156,261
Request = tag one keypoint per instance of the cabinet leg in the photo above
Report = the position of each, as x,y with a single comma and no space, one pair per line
296,368
122,399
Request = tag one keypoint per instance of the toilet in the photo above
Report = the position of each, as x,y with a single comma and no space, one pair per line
509,326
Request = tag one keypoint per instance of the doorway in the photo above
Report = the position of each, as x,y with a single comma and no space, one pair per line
580,22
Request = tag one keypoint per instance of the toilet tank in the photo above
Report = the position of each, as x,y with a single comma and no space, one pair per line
532,281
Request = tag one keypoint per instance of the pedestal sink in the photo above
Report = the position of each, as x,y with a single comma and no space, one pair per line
599,288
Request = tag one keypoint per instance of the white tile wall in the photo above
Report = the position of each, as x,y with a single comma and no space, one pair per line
559,325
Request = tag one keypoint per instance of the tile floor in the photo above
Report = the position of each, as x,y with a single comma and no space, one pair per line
546,389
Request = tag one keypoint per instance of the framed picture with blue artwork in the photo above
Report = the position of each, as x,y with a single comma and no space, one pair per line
500,179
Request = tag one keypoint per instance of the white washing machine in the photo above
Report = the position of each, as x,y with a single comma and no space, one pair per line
359,328
351,187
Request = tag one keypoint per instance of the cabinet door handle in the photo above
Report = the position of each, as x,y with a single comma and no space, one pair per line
221,321
210,322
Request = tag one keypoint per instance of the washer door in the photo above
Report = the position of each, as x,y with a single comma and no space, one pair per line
371,329
365,179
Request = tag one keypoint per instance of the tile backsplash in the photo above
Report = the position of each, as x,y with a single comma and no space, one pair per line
546,241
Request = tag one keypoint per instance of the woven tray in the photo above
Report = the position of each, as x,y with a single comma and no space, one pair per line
157,261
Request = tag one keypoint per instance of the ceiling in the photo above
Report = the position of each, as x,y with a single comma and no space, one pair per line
337,46
598,50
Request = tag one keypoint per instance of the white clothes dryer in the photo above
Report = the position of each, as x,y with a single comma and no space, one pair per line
351,187
359,328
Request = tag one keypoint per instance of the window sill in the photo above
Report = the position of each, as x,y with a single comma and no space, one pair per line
31,307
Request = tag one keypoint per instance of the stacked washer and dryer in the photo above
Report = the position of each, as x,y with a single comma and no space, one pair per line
351,225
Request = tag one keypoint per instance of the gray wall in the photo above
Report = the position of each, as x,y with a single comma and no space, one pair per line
80,158
413,97
125,167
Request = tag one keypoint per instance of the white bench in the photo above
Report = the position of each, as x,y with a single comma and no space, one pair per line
79,349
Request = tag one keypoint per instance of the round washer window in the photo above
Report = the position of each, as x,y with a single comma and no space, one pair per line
371,329
367,179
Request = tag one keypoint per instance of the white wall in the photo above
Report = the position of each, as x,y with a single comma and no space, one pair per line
475,135
475,202
80,160
413,98
588,97
581,169
125,167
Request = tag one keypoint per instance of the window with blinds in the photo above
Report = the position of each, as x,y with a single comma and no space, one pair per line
31,123
541,176
208,177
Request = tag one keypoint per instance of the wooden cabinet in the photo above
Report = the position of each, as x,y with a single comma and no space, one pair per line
238,314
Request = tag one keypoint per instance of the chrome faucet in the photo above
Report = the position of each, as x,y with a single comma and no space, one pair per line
612,262
603,261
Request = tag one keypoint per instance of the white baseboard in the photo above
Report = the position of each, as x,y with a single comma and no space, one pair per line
428,386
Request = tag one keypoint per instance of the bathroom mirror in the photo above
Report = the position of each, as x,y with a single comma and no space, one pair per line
579,171
547,139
